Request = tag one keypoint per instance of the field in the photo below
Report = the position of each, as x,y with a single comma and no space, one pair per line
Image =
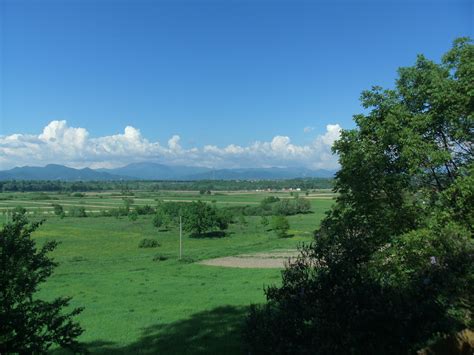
135,303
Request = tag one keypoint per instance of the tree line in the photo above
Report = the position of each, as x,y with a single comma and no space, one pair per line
129,186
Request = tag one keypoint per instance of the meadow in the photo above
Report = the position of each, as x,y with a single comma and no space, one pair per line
146,300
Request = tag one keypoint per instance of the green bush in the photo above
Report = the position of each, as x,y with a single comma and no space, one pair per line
160,257
148,243
76,211
280,226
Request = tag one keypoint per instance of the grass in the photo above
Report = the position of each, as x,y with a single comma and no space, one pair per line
135,304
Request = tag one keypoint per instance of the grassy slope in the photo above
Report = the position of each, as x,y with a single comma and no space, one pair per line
135,304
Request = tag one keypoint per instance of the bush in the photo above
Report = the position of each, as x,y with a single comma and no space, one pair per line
133,216
160,257
77,212
280,225
161,220
148,243
58,210
144,210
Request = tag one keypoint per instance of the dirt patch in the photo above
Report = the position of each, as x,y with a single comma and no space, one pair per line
269,260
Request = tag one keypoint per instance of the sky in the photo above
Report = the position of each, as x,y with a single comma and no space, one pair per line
221,83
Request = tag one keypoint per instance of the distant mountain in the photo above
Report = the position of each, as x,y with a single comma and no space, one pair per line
57,172
153,171
262,174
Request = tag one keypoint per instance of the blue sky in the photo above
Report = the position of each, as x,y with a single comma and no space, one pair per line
215,73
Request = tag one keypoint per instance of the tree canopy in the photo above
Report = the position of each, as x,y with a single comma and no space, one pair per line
29,325
392,264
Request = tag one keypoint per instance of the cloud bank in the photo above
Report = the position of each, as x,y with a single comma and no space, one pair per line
71,146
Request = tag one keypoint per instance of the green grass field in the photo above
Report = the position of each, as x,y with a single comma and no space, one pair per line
134,304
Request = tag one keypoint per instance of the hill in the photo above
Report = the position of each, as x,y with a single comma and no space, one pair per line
154,171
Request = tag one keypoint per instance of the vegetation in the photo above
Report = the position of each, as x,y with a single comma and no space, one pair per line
58,210
148,243
28,324
204,186
200,218
139,299
76,211
391,266
280,225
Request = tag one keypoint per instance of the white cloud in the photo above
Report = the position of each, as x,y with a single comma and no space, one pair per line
71,146
173,144
308,129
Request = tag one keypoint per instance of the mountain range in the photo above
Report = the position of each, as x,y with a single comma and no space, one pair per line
154,171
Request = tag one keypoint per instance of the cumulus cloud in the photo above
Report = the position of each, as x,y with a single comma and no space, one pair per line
71,146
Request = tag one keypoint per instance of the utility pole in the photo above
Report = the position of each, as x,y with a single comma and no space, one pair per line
180,238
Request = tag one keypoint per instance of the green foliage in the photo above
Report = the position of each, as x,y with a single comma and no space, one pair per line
133,215
274,206
128,187
28,324
160,257
144,210
289,207
127,202
392,264
264,221
200,218
161,219
76,211
280,225
223,218
148,243
58,210
18,210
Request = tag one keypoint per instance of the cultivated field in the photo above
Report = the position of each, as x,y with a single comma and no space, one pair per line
145,300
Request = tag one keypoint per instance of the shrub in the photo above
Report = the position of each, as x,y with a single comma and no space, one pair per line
58,210
144,210
133,215
280,225
77,212
160,257
148,243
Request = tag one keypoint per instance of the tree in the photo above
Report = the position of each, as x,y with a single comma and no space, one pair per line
133,215
161,219
200,218
58,210
76,211
302,205
264,222
280,225
392,264
28,324
223,218
127,203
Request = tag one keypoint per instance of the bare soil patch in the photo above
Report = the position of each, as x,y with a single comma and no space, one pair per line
269,260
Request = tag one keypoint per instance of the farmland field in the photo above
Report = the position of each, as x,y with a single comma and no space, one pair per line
136,303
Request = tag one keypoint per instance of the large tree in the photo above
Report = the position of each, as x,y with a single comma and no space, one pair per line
392,264
200,218
29,325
